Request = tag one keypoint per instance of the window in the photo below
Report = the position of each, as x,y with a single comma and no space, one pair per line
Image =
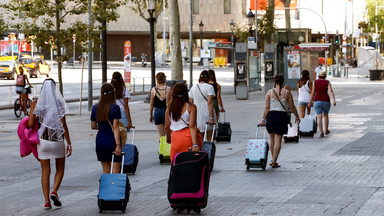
227,6
195,6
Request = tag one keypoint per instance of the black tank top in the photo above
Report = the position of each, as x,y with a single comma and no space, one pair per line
157,101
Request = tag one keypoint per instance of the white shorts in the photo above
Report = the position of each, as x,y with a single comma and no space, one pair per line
50,149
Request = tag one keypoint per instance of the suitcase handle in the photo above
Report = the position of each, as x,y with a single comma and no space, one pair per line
133,128
218,120
205,132
257,130
122,161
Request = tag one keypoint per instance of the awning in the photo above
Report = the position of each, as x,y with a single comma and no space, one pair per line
314,47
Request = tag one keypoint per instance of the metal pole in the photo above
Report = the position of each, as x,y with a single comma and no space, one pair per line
152,38
256,29
74,47
232,50
191,48
164,44
104,55
90,93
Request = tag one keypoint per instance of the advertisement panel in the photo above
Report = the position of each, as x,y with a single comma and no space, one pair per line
293,60
127,64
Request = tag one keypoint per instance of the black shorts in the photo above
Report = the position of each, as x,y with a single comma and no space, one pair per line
276,122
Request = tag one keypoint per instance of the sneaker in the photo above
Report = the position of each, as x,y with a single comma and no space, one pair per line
47,206
55,199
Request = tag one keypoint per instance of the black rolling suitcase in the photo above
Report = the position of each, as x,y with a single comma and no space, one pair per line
224,131
189,181
114,190
209,147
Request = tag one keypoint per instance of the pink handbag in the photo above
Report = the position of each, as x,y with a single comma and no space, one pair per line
28,138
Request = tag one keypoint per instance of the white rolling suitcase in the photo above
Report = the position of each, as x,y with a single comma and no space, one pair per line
307,126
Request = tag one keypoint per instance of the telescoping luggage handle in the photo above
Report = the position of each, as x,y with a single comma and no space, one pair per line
122,161
257,131
205,132
133,134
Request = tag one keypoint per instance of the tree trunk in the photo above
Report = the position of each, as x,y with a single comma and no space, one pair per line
287,13
59,59
176,61
271,18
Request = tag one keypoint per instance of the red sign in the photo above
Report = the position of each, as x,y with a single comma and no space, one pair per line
127,63
252,53
262,4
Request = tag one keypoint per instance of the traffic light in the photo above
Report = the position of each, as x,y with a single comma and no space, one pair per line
337,39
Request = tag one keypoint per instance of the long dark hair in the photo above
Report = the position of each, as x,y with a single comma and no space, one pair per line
304,77
118,82
107,97
204,77
179,98
279,79
212,76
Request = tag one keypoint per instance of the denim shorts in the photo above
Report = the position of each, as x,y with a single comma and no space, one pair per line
159,115
322,107
21,89
302,103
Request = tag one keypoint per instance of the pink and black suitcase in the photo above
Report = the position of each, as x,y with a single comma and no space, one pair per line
189,181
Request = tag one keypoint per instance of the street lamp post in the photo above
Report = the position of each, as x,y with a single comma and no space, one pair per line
232,25
201,27
151,9
250,19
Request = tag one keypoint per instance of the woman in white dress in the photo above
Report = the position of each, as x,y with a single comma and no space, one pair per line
202,95
50,110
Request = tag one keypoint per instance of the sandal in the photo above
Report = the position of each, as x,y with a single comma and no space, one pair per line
321,135
275,165
327,132
270,163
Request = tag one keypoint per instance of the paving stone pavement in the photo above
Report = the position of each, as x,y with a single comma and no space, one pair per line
340,174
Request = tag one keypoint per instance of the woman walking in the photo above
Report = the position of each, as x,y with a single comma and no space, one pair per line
202,95
105,118
21,81
217,101
158,104
180,119
122,97
322,103
304,86
278,101
49,111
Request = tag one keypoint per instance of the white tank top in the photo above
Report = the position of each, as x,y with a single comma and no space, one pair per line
304,93
275,104
180,124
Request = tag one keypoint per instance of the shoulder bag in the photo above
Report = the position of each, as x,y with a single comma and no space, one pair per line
123,132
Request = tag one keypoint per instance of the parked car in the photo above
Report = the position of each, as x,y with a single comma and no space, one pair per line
10,69
37,66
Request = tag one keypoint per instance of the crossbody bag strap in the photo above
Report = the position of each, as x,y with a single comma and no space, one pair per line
110,124
280,101
201,92
184,121
308,87
157,91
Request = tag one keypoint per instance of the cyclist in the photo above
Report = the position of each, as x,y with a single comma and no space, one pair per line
20,88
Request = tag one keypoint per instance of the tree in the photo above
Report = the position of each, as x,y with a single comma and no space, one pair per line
287,12
104,11
176,59
373,19
51,16
3,27
269,22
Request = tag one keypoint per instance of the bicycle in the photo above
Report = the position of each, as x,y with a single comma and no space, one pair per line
18,106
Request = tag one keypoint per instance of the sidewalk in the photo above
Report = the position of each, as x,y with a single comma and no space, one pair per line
337,175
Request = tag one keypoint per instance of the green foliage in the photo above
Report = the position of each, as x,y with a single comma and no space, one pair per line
140,7
265,29
3,27
373,19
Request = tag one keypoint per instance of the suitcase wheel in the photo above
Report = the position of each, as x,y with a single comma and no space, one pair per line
247,167
297,139
285,139
100,210
198,210
179,210
263,168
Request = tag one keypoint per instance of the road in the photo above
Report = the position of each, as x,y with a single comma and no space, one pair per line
337,175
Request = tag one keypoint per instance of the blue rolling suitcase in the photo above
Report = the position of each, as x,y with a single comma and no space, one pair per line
209,147
131,156
114,190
